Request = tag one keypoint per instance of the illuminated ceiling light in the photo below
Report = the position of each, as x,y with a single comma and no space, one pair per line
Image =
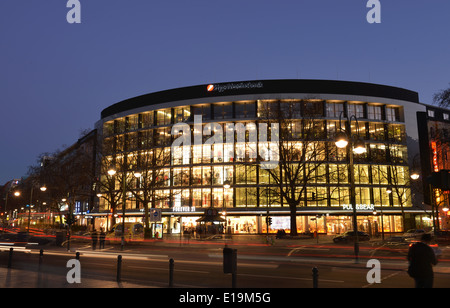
226,184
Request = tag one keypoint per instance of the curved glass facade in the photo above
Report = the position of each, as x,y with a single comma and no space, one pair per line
185,181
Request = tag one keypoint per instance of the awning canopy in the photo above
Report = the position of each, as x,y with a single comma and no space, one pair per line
210,219
211,215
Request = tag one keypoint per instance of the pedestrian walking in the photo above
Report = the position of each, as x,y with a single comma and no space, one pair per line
421,259
94,237
102,239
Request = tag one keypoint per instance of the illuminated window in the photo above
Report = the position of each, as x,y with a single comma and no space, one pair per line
363,195
334,109
223,111
163,117
290,109
108,128
339,196
356,110
374,112
147,119
246,197
245,110
376,131
132,122
203,110
181,114
361,174
197,198
392,114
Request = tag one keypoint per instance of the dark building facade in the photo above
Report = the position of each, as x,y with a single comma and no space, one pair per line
434,128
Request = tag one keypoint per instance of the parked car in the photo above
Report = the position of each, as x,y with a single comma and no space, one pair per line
349,236
413,234
132,231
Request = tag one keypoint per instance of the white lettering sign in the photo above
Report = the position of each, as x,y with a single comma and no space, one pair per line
364,207
183,209
234,86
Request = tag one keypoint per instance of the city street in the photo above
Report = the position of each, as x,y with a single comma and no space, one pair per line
199,264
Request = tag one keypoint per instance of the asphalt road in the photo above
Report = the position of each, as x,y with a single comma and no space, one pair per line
200,265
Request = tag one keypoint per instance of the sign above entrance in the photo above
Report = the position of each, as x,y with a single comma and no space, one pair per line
364,207
183,209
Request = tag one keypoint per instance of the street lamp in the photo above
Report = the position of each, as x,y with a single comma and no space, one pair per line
341,139
389,190
415,175
344,138
359,147
112,171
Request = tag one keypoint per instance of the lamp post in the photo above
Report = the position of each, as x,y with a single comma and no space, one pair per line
16,194
342,139
112,172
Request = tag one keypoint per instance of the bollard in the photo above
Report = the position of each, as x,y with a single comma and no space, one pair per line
119,267
171,266
10,257
315,277
77,256
41,255
230,264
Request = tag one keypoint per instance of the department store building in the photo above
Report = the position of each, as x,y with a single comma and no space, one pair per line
222,175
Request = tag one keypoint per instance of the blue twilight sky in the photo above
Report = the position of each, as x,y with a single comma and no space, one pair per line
56,77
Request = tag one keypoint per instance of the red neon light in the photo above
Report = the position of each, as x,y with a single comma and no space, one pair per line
435,163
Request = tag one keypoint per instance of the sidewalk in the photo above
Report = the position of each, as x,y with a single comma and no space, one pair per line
14,278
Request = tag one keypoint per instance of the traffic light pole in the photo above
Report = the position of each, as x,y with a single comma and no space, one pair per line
268,223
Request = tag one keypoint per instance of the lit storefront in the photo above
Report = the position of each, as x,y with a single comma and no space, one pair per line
222,176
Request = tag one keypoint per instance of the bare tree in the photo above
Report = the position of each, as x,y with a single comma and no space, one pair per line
301,150
442,98
68,175
149,163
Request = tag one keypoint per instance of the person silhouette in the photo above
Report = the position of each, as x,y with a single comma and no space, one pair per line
421,259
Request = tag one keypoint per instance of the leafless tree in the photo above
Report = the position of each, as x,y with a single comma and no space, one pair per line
301,150
442,98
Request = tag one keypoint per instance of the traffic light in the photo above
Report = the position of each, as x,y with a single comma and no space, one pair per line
269,220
